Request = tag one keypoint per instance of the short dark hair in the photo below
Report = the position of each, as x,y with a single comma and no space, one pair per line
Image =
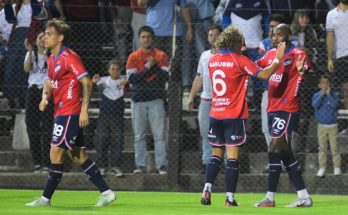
146,28
112,62
326,76
61,27
215,26
277,17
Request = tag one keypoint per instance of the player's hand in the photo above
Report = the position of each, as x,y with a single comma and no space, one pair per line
330,65
83,121
28,46
151,61
280,50
300,63
43,104
95,78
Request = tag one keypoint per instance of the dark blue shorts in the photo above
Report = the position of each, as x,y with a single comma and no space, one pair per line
282,123
67,132
227,132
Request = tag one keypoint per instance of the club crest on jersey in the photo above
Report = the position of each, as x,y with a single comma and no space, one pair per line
57,68
287,62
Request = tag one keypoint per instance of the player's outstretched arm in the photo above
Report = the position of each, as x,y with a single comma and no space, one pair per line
267,72
46,95
196,86
86,95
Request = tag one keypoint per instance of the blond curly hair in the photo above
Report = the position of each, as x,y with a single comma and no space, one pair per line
229,38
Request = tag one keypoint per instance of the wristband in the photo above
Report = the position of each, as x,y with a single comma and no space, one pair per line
276,60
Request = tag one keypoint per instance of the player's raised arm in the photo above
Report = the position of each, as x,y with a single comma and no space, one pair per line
46,95
267,72
86,95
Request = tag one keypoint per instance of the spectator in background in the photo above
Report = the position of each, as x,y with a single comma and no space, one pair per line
5,27
161,15
15,81
110,128
203,79
55,8
251,17
326,103
337,49
39,124
147,73
138,20
307,40
202,13
288,8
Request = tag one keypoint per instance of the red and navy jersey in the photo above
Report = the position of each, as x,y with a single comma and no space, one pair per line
64,71
284,84
229,76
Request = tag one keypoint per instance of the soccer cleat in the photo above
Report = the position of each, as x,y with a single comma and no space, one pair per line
265,203
229,204
301,203
102,171
45,170
39,202
105,199
206,198
37,169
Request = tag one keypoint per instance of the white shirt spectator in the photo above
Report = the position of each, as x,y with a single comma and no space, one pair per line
24,16
251,29
112,88
203,71
337,22
5,27
38,72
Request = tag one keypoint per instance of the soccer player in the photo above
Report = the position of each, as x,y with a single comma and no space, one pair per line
70,87
229,72
283,115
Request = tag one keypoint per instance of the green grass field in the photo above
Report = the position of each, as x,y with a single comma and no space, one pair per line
162,203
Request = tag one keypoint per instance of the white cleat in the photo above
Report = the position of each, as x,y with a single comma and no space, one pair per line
301,203
321,173
105,199
39,202
337,171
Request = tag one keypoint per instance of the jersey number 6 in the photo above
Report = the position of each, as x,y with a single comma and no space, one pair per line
218,76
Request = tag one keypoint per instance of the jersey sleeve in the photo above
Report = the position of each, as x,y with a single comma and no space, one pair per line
74,64
101,82
263,62
249,67
200,66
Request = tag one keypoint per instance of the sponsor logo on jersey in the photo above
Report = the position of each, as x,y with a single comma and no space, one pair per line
71,85
54,84
276,78
287,62
221,109
57,68
221,101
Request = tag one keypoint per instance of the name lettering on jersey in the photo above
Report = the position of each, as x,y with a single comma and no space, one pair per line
221,64
54,84
57,68
276,78
221,101
71,85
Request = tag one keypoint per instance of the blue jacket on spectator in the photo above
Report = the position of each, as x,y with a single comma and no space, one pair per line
326,107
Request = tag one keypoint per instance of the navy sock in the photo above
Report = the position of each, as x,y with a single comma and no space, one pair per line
231,175
93,173
275,169
213,168
54,176
294,170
